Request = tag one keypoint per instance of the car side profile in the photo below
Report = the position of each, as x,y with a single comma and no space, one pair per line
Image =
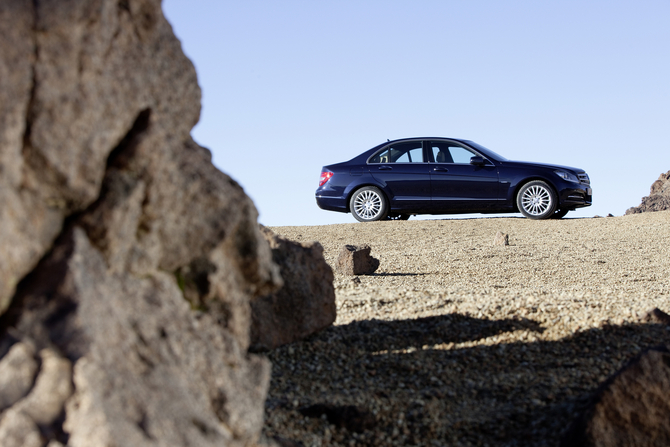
411,176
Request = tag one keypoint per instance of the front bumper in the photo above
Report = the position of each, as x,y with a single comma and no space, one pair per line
577,197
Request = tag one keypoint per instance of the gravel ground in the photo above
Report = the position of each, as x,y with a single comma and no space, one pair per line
455,341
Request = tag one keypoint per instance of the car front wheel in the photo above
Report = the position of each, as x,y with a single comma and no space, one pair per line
536,200
368,204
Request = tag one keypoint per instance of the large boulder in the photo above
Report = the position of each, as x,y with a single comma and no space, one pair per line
658,198
114,223
630,409
304,305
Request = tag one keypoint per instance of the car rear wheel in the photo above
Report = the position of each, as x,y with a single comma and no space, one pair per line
536,200
368,204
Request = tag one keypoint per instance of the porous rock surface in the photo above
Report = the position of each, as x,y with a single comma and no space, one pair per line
456,342
356,260
630,409
658,198
303,305
112,216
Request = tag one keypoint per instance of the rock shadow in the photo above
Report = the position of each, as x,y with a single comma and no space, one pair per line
379,335
399,274
423,392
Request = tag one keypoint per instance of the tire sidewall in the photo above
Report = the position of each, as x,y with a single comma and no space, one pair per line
553,206
384,204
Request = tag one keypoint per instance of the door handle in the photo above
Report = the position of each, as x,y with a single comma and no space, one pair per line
440,169
385,168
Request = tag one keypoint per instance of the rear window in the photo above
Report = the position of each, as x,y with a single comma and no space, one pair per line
408,152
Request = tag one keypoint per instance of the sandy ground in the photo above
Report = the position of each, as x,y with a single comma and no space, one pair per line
455,341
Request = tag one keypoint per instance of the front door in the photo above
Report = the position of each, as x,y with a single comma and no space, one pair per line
457,185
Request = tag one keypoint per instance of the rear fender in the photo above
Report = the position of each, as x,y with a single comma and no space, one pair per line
368,180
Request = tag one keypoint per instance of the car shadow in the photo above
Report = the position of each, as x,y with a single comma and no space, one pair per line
423,380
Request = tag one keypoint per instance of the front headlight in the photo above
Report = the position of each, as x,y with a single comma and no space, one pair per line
567,176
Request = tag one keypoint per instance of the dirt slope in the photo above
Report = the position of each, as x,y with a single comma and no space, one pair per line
454,341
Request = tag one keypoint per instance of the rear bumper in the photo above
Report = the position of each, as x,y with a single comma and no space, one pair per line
331,203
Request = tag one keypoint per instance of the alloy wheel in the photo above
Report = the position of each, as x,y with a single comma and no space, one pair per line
536,200
368,205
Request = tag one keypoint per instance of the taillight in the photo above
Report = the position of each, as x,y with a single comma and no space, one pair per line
325,176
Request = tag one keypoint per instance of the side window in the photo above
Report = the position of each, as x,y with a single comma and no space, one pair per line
451,152
461,154
410,152
441,153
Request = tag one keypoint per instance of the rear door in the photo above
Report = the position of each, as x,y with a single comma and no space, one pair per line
457,185
403,170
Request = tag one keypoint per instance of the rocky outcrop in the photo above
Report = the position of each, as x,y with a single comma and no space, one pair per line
304,305
112,216
658,198
629,409
356,260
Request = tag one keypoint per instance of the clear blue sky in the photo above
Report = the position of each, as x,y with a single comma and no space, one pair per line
289,86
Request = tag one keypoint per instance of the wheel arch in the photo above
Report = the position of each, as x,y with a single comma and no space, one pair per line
363,185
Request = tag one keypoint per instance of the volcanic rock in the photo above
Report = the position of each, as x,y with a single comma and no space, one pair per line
656,315
128,260
658,198
501,239
356,260
305,304
629,409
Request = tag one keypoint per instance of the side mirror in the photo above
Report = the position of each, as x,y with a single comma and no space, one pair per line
477,161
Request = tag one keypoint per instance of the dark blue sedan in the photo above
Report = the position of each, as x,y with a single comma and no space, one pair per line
448,176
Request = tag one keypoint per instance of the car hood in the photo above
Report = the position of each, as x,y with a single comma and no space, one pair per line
519,164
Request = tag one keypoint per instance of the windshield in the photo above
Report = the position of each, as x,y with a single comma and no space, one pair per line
485,151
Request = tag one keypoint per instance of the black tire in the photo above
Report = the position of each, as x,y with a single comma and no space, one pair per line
537,200
559,214
368,204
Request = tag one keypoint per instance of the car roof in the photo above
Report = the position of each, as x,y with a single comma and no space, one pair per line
399,140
